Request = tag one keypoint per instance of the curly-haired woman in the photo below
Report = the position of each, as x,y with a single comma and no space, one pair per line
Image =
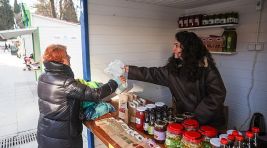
60,94
192,77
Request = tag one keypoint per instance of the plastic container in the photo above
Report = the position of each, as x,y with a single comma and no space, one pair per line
190,124
174,135
192,139
140,118
160,132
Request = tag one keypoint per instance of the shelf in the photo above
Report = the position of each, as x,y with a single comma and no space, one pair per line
208,27
223,53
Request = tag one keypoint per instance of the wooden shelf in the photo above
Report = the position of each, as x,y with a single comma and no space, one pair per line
208,27
223,53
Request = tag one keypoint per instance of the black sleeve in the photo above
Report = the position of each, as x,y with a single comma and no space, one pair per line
155,75
75,89
214,98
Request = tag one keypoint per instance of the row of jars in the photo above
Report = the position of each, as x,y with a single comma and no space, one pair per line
206,20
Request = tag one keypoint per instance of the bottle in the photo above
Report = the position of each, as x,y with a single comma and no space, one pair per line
224,143
151,123
231,40
249,140
256,131
146,123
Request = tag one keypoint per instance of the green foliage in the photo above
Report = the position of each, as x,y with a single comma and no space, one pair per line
6,15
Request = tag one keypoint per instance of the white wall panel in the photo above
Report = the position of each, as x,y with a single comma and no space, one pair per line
137,34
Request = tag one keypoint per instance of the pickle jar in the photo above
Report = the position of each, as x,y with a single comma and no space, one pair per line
190,124
160,132
192,139
208,132
174,135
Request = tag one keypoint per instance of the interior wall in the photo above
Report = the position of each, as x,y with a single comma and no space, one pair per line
137,34
236,70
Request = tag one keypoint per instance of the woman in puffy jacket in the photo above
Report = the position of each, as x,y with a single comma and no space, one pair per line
60,95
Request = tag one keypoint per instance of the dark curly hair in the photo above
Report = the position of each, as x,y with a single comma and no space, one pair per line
193,54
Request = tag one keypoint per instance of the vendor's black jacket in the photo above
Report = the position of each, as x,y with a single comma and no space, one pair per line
59,105
204,97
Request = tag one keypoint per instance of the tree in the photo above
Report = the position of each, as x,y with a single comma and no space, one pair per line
6,15
16,7
43,7
68,11
53,9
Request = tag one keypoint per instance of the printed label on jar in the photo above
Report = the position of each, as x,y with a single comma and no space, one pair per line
145,126
159,135
137,121
150,130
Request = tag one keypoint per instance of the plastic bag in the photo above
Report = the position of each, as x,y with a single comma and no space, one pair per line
116,69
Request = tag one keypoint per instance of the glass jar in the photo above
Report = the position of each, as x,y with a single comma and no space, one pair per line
211,20
197,20
223,18
185,20
188,115
174,135
140,118
231,140
181,22
208,132
205,20
191,21
217,19
146,122
190,124
179,118
160,132
192,139
159,105
150,128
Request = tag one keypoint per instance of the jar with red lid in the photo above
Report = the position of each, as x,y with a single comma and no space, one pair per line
231,140
224,143
140,118
174,135
160,131
190,124
208,132
192,139
256,131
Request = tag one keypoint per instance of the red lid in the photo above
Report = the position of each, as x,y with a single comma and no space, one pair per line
239,138
249,134
224,141
175,128
193,136
255,130
190,123
235,133
231,137
208,131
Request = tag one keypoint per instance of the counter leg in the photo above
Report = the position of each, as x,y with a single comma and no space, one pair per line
90,139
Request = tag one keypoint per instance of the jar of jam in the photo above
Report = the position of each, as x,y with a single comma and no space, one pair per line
188,115
159,105
192,139
150,128
174,135
146,122
140,118
160,132
179,118
208,132
190,125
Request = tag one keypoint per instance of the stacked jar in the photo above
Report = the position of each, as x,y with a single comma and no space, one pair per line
192,139
140,118
160,131
208,132
190,124
174,135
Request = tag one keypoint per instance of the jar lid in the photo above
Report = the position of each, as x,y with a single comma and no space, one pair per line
159,104
215,142
193,136
190,123
208,131
175,128
141,108
150,106
239,138
235,133
255,130
224,141
231,137
249,134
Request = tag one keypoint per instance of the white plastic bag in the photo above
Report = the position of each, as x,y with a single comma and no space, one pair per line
116,69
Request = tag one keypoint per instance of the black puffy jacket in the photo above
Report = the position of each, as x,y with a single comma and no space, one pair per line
60,94
204,97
